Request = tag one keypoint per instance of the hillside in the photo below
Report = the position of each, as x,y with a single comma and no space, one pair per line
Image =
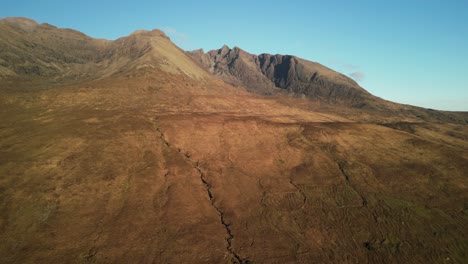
129,151
44,52
268,74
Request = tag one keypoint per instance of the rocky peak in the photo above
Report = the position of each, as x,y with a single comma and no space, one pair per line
267,73
224,50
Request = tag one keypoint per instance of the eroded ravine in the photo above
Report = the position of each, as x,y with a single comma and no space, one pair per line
236,258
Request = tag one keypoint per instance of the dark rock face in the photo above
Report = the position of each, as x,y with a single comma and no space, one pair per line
236,67
269,74
292,74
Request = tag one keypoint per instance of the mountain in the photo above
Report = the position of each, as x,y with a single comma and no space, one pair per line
29,49
267,74
134,151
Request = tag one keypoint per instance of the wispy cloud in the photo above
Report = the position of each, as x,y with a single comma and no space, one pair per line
173,32
358,76
178,37
344,66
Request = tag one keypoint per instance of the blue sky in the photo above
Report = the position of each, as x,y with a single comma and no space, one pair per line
413,51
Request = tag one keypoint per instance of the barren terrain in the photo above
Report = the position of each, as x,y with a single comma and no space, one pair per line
149,158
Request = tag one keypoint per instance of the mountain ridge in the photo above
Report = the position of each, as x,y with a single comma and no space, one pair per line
289,75
265,73
66,53
47,54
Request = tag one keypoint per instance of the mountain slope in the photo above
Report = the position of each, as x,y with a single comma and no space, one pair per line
267,74
28,49
150,159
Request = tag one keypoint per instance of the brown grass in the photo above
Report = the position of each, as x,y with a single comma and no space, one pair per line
111,171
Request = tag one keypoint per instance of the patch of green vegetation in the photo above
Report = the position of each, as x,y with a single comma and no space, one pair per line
86,258
422,212
395,203
31,215
392,242
126,186
415,209
458,251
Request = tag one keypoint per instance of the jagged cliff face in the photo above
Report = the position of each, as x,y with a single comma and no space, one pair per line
236,67
268,74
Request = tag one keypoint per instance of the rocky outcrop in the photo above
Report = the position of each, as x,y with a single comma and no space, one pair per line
269,74
236,67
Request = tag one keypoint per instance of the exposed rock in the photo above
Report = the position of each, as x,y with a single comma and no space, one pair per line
267,74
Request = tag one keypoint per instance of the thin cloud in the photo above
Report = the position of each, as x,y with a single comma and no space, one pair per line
343,64
358,76
176,36
175,33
